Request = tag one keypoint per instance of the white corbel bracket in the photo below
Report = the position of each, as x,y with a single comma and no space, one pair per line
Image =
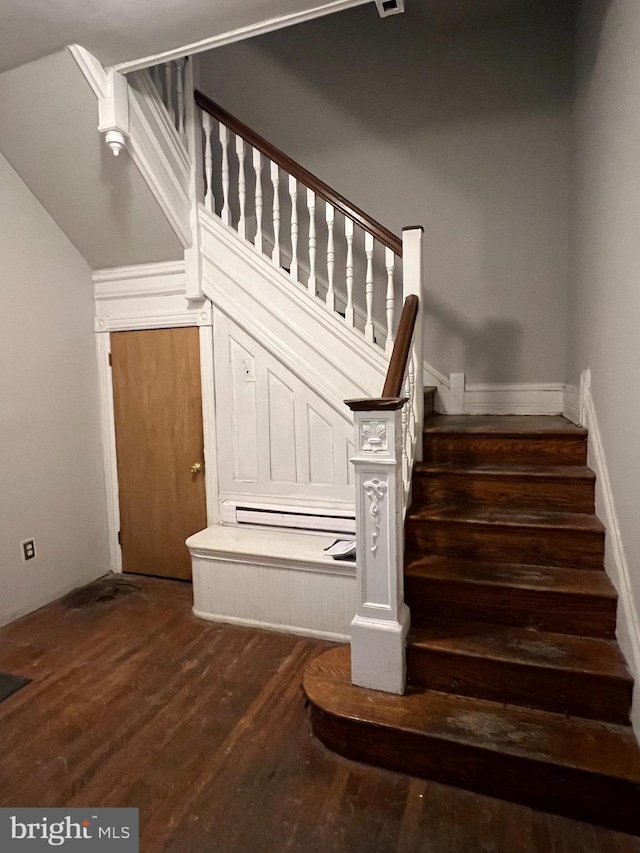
113,112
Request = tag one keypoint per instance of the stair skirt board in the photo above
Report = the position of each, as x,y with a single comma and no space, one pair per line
277,580
615,560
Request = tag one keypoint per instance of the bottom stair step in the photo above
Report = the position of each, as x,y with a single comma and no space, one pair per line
570,766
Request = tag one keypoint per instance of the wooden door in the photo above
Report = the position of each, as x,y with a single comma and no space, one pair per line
158,419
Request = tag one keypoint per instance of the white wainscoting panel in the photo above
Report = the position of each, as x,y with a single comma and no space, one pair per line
272,579
277,437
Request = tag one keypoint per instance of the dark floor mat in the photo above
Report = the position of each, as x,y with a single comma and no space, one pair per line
10,684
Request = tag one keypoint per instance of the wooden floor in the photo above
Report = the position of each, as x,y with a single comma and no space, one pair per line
137,703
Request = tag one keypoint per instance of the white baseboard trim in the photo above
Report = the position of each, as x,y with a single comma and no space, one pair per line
271,626
616,565
456,397
514,399
572,407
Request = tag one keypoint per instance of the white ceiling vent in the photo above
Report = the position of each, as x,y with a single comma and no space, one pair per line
389,7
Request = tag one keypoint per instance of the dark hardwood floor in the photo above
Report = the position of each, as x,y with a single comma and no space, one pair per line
203,727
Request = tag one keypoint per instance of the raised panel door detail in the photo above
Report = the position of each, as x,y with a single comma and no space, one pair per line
244,427
282,431
320,435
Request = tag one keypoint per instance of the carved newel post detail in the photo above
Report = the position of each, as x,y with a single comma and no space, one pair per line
379,629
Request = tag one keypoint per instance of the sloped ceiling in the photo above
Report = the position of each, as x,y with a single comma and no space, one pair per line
103,204
119,31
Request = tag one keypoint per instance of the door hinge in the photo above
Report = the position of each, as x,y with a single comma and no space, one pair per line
119,538
110,360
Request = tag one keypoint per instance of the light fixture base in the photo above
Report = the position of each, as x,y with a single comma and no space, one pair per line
116,141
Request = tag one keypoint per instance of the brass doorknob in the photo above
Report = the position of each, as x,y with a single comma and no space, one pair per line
195,469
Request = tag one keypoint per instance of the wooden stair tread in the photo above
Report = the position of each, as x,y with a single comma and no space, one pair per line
556,472
499,517
585,655
506,425
541,736
514,575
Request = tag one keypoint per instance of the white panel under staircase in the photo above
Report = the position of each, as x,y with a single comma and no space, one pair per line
278,439
104,204
284,364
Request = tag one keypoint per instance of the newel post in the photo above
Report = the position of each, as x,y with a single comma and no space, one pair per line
381,623
412,283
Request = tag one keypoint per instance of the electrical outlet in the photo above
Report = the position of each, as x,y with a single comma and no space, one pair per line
28,549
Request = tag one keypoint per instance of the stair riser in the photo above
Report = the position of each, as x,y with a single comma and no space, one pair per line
563,692
562,613
591,797
530,546
468,449
518,492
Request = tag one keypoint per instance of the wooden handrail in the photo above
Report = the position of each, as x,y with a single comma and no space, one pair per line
391,399
386,237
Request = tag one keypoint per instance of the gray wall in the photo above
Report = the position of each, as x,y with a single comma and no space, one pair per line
461,126
604,313
50,460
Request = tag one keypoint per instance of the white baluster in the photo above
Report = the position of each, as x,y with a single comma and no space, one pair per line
412,284
168,80
389,261
348,233
242,187
331,296
293,193
224,142
275,180
209,200
156,74
311,206
368,248
410,404
257,167
181,65
405,428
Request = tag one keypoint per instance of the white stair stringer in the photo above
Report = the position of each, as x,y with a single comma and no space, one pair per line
307,332
284,364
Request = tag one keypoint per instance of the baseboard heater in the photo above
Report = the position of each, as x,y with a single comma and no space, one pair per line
320,520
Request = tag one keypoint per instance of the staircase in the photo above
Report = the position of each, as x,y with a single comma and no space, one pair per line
516,686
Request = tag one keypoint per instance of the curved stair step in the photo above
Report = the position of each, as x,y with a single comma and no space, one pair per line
575,767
